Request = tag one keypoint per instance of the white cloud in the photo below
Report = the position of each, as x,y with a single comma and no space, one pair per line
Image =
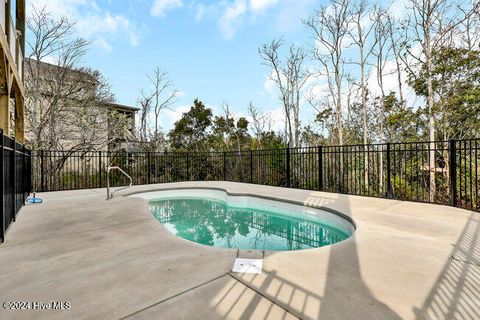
92,22
160,7
260,5
231,17
269,85
60,8
206,11
180,94
232,14
278,119
173,115
102,43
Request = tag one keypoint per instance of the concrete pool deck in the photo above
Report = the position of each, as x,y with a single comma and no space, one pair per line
113,260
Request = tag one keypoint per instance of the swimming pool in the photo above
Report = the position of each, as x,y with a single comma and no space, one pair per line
215,218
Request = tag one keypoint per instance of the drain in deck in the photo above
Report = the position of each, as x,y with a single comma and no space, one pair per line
243,265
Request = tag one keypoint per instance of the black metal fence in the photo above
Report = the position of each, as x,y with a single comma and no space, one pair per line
392,170
16,171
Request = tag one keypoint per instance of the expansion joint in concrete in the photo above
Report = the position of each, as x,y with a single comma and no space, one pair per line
174,296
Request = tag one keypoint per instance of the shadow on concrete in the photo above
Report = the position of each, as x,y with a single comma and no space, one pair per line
302,296
456,293
345,295
249,311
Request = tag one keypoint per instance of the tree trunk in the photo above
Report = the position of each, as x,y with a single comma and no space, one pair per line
339,120
338,106
382,126
399,79
399,71
365,120
290,132
431,120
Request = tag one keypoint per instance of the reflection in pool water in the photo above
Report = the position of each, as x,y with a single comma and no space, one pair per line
214,223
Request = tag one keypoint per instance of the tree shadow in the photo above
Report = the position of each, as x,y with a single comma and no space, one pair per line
456,293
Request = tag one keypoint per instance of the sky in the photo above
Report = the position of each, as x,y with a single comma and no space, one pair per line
208,48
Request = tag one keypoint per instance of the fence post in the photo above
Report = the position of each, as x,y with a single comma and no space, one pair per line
30,171
224,166
24,174
188,167
148,167
288,166
2,188
100,168
453,173
251,166
389,182
41,172
320,168
14,179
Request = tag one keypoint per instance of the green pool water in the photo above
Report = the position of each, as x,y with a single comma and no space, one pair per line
215,223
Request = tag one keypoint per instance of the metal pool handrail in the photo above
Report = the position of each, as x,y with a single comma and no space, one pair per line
110,195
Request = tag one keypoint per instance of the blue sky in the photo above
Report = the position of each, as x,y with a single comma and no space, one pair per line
209,48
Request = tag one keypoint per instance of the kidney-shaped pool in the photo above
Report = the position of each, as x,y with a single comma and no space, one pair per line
215,218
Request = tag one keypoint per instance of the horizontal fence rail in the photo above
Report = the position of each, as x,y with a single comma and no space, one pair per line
16,170
400,171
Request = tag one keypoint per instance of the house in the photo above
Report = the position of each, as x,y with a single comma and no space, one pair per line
12,91
72,109
128,141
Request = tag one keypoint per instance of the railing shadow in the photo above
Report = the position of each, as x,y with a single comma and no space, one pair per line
340,293
456,293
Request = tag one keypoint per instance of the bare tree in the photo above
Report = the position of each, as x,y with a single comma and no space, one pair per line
161,96
382,52
429,26
470,27
48,41
361,35
145,103
234,128
351,97
395,37
330,26
261,122
66,106
290,76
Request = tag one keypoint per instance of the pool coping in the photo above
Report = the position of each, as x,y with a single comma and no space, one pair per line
247,194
